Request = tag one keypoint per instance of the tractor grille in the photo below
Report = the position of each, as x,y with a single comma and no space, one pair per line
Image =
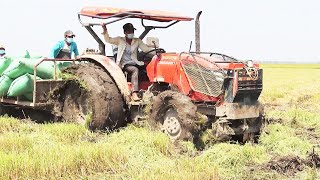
202,79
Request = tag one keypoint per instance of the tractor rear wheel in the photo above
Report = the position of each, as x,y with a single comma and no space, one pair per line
174,114
92,98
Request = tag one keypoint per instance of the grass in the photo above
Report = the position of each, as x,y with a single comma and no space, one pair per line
68,151
282,140
71,77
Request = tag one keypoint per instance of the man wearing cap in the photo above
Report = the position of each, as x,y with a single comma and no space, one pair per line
127,57
65,48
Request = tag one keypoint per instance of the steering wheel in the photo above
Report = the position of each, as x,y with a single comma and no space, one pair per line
158,50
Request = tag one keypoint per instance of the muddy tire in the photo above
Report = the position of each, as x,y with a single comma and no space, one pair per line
174,114
92,99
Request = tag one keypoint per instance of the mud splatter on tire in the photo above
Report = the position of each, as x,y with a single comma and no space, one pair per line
92,98
185,109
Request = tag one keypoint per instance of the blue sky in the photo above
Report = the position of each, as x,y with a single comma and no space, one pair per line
284,30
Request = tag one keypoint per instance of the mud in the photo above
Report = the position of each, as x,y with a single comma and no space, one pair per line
285,165
313,160
185,108
274,120
24,113
308,133
92,97
289,165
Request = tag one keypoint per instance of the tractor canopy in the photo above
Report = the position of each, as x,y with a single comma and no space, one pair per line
110,12
110,15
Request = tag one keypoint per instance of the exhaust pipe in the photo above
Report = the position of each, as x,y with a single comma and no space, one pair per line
197,32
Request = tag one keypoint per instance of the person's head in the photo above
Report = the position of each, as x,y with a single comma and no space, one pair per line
2,51
128,30
68,36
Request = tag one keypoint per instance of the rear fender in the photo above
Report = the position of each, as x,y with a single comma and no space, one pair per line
114,70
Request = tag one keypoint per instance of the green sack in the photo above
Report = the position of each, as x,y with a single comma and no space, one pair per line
4,63
18,68
22,85
63,65
5,83
45,70
29,96
27,55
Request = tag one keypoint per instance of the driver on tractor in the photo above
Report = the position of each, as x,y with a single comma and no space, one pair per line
127,58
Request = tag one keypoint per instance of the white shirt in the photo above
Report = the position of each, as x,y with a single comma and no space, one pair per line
126,57
121,43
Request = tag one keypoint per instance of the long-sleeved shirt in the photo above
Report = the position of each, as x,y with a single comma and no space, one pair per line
57,48
121,43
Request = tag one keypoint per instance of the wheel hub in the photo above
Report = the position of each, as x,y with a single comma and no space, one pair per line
171,125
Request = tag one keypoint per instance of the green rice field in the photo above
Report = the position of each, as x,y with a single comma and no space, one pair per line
291,96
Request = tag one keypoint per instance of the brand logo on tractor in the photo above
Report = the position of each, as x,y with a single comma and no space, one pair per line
169,57
166,62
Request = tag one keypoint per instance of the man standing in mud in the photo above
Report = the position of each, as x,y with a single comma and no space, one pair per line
127,54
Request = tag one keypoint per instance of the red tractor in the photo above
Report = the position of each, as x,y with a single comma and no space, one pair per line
183,94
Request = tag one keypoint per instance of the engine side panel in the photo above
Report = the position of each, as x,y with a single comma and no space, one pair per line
168,68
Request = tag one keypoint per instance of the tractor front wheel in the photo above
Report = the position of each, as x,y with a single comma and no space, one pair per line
174,114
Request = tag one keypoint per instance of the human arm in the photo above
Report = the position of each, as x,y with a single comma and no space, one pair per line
144,47
55,50
75,50
107,38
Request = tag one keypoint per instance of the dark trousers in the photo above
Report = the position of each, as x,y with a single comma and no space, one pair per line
134,72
